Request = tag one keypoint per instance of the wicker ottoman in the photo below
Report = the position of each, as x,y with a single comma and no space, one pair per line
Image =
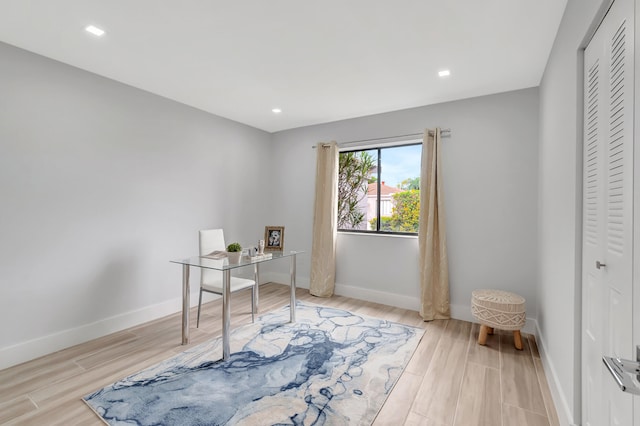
498,309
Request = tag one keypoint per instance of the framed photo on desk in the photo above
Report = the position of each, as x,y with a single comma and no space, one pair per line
273,238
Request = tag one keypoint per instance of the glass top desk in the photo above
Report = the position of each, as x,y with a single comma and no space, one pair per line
226,267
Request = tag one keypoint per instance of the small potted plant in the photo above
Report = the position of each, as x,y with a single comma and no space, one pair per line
234,252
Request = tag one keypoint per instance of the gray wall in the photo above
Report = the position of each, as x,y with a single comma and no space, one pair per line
490,180
560,209
101,185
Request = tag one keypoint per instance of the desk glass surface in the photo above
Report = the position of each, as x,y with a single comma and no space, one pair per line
225,267
223,264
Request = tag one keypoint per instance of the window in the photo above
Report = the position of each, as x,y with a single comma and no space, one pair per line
379,189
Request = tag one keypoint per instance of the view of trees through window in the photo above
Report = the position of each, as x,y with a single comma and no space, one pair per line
379,189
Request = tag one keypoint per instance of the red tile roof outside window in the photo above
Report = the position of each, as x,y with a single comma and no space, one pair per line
386,201
384,189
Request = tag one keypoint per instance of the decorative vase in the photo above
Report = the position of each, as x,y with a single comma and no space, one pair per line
234,256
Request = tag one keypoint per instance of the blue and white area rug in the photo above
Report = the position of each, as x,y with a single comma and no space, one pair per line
330,367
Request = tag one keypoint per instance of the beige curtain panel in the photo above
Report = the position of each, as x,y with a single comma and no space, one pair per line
325,221
434,264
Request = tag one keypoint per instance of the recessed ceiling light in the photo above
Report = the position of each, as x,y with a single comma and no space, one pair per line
444,73
94,30
276,110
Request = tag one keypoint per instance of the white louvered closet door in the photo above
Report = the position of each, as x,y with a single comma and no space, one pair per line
607,296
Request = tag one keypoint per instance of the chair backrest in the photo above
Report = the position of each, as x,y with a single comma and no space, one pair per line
210,240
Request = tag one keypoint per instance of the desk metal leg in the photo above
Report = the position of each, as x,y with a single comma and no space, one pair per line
226,313
292,271
256,289
185,304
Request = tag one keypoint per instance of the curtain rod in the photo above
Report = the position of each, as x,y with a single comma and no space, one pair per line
341,144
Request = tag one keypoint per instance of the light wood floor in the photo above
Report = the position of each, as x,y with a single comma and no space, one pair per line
449,381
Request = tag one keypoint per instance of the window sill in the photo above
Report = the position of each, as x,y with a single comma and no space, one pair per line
377,235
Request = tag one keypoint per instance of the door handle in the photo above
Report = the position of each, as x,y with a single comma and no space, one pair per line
624,372
600,265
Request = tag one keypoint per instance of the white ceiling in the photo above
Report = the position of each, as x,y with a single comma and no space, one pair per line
318,61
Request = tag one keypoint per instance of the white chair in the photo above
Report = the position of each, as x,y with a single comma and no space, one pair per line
211,280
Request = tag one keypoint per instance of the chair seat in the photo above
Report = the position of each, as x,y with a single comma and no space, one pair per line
236,284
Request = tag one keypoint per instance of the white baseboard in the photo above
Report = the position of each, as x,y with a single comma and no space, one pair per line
565,416
377,296
31,349
460,312
283,278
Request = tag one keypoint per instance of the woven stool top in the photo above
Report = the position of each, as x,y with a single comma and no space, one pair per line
498,309
498,299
